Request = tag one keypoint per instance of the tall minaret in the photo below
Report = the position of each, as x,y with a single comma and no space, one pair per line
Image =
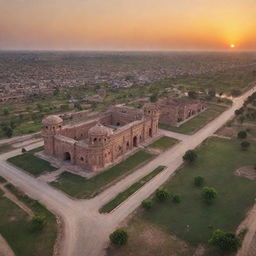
52,125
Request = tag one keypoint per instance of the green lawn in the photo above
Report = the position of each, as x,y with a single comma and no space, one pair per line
80,187
197,122
15,227
193,220
121,197
163,143
32,164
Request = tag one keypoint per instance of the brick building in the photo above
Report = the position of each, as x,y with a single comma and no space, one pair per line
97,143
175,111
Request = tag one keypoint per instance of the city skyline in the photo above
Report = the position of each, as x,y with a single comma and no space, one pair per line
127,25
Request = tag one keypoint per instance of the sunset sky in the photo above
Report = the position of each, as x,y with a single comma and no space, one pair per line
127,25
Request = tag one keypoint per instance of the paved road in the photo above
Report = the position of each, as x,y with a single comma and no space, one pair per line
85,230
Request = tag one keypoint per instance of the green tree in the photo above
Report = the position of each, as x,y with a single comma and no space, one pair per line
245,145
38,222
190,156
8,131
226,241
162,194
198,181
241,134
211,93
146,204
119,237
6,112
192,94
209,193
176,199
154,97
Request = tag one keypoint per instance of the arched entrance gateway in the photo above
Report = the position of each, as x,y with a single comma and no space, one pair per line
135,141
150,132
67,156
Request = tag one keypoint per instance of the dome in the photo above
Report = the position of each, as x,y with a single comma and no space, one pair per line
100,129
52,120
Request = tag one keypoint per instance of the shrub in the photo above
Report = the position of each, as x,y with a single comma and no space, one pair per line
38,222
176,199
146,204
190,156
198,181
242,135
154,97
226,241
209,193
192,94
245,145
162,195
119,237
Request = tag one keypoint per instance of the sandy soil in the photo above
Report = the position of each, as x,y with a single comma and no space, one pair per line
247,171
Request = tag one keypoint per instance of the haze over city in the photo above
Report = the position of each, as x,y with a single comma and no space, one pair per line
127,25
127,128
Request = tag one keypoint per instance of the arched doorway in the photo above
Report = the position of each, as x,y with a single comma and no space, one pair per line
67,156
150,132
135,141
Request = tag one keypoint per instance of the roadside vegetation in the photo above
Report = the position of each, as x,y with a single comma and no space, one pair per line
32,164
121,197
212,198
81,187
27,235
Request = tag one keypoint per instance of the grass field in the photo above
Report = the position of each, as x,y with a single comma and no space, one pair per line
15,227
32,164
198,121
177,229
80,187
163,143
193,220
121,197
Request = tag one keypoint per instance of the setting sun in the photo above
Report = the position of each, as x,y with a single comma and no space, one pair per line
232,46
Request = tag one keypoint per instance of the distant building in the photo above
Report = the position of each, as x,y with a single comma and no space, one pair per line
98,143
175,111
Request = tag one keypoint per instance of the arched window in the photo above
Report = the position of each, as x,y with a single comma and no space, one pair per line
95,139
81,158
